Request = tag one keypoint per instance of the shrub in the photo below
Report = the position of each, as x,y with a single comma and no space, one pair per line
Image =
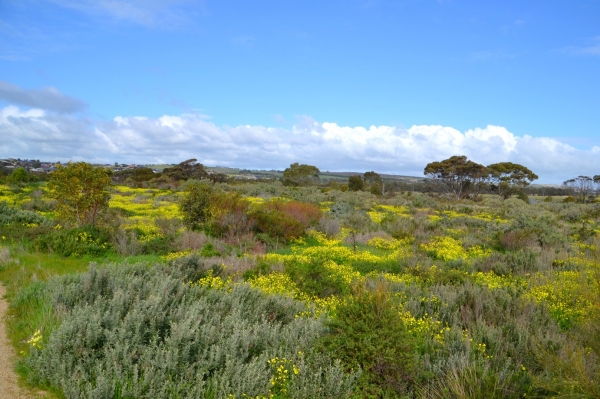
314,279
272,219
367,331
191,240
160,245
328,226
10,215
134,331
81,192
518,239
195,205
85,240
230,214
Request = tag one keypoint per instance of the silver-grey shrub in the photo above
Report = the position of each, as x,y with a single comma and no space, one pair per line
140,332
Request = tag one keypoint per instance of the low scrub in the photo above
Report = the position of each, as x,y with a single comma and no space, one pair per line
139,331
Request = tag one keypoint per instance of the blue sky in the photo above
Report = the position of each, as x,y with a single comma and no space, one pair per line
345,85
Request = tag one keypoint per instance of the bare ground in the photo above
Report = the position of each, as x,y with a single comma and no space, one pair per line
9,384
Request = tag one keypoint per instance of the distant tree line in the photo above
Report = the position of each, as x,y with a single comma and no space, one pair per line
456,177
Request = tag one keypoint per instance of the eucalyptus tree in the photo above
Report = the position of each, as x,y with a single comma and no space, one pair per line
510,178
581,186
300,175
458,176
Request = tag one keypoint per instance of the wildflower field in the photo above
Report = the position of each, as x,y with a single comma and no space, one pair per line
304,292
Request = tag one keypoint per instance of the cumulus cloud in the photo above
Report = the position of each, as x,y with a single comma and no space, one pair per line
47,98
387,149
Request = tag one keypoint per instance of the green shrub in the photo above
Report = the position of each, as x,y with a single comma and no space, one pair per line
314,279
368,332
135,331
10,215
80,241
160,245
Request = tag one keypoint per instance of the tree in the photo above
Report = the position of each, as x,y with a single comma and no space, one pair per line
355,183
81,191
186,170
19,175
510,178
581,187
457,175
300,175
374,182
195,205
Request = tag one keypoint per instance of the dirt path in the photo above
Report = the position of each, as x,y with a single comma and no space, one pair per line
9,386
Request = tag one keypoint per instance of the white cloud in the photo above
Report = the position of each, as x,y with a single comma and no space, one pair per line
48,98
387,149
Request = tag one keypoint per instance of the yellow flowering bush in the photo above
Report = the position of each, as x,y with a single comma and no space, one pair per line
175,255
449,249
559,292
214,282
379,212
445,248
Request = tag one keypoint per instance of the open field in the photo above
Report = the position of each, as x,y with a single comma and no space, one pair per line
315,293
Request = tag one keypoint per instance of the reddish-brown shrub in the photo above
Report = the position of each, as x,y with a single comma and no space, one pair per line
230,214
305,213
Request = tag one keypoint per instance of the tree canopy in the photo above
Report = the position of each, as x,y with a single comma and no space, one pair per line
510,178
186,170
355,183
373,182
81,191
300,175
195,205
19,175
457,174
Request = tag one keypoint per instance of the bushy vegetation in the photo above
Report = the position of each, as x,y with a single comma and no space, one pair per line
139,331
293,291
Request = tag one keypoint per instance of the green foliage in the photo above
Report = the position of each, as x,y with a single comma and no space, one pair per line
19,176
134,331
373,182
316,280
368,332
160,245
195,205
81,192
186,170
489,299
523,197
457,175
11,215
355,183
208,251
510,178
300,174
80,241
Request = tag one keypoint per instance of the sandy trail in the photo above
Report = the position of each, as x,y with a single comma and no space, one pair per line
9,385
